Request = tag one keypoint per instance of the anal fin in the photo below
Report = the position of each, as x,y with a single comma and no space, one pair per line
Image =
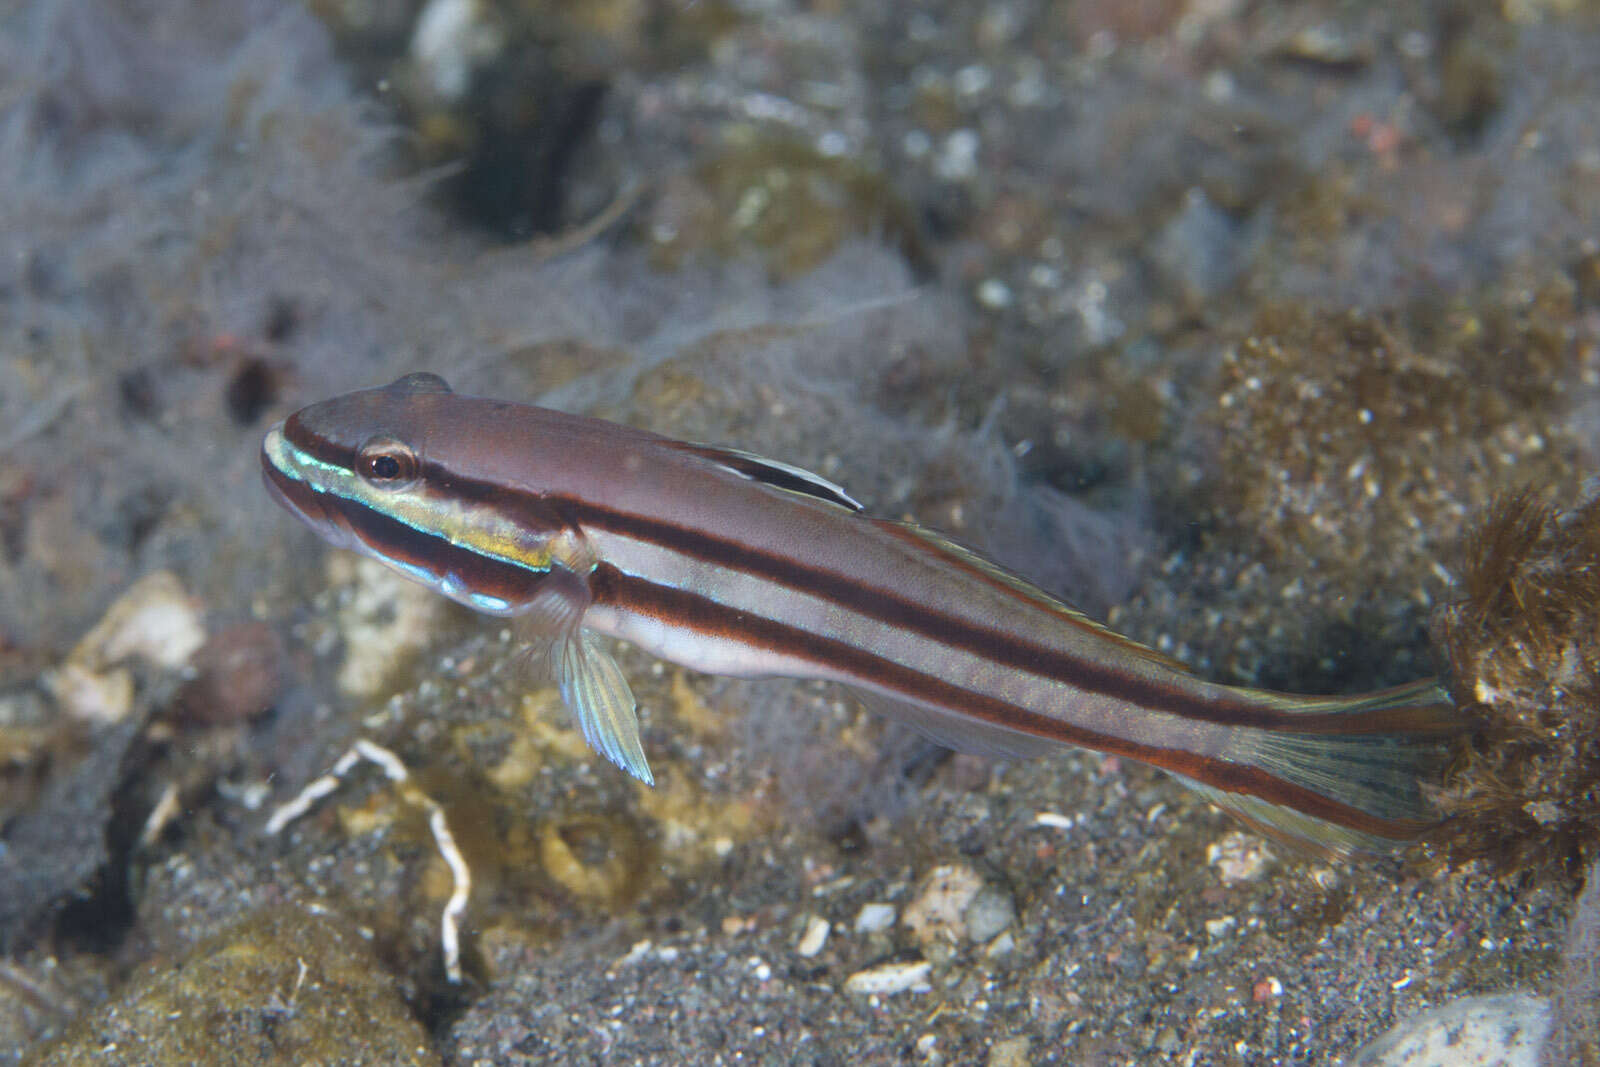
959,732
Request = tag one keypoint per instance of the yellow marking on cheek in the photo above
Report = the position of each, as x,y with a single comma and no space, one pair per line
490,534
508,547
483,530
539,552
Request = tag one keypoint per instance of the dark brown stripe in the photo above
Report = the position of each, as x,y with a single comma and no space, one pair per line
328,451
436,555
696,613
1002,646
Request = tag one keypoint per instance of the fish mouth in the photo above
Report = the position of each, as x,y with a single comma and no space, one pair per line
293,493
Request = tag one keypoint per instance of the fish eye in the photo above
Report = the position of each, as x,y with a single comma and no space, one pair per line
387,463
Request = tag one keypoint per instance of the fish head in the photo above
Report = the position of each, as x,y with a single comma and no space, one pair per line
357,469
360,447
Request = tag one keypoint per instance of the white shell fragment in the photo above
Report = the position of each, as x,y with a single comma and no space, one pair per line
155,620
384,620
89,696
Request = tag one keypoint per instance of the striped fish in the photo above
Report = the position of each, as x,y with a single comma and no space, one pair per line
732,564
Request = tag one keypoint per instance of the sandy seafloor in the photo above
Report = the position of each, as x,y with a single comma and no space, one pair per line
1220,319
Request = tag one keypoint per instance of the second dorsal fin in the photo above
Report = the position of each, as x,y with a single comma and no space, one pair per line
992,572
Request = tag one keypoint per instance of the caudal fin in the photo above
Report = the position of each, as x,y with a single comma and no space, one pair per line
1355,781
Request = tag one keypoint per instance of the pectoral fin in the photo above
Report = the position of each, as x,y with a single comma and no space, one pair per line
591,684
594,689
556,610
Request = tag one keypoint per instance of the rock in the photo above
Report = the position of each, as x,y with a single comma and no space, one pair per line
1503,1031
285,986
990,912
52,849
385,620
238,674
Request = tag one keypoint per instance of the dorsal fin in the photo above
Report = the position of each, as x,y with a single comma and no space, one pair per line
783,476
420,382
1026,590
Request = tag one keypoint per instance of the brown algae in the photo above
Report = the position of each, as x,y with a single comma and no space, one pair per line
1521,644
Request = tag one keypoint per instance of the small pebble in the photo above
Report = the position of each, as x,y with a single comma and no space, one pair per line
1239,858
994,294
1167,1041
874,918
938,912
237,676
451,39
990,912
90,697
639,951
889,978
154,620
814,938
958,158
1012,1052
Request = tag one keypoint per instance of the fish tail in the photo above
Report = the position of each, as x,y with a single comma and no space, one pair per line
1344,775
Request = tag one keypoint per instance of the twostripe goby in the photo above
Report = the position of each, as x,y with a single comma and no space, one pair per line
731,564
